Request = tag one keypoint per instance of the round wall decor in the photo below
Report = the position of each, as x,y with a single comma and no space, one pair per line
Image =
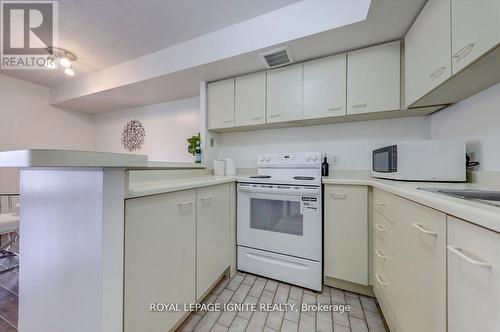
133,136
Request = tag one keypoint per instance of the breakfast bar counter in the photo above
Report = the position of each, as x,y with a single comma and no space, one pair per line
72,232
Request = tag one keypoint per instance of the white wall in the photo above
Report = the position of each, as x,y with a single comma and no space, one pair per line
351,142
167,125
477,120
28,121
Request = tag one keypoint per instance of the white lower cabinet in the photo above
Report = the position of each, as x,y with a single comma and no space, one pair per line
473,278
159,258
420,268
176,246
212,236
346,233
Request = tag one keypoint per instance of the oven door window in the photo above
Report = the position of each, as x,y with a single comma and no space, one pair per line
276,216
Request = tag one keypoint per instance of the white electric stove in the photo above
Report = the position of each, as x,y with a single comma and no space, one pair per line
279,220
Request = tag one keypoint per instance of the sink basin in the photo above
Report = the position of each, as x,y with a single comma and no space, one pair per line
490,197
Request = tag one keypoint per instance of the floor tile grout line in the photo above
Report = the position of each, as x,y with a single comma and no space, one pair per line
253,283
363,311
5,320
16,294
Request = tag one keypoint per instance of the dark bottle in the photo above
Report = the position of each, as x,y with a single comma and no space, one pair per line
325,168
197,154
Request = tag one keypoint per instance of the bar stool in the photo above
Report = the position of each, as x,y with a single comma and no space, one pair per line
9,224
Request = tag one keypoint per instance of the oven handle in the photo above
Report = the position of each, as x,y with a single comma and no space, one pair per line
280,191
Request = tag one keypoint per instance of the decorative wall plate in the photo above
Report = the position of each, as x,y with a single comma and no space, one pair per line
133,136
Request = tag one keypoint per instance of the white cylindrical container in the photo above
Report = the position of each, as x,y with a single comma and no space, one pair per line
230,167
219,167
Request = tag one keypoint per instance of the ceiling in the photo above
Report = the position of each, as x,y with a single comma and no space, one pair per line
103,33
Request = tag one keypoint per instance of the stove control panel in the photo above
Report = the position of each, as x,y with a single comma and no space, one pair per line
292,159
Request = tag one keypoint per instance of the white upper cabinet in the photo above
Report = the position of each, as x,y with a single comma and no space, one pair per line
428,50
475,29
284,94
373,79
220,104
250,99
325,87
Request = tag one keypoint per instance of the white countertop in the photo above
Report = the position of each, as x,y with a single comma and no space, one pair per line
139,189
73,158
477,213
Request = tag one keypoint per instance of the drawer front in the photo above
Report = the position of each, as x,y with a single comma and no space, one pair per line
383,230
383,258
384,203
384,290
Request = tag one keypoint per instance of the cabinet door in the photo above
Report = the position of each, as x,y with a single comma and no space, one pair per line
373,79
473,278
220,104
325,87
475,29
284,94
159,258
346,233
427,50
250,99
420,268
212,235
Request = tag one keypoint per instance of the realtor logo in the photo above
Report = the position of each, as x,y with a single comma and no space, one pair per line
28,29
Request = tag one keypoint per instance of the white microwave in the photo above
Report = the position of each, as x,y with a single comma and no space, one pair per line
432,160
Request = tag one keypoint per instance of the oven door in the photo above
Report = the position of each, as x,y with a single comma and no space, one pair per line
281,219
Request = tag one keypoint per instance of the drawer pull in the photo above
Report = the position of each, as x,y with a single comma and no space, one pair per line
379,279
185,204
423,230
379,202
359,105
205,198
338,195
380,228
228,121
333,109
378,252
464,51
257,118
272,116
438,72
460,253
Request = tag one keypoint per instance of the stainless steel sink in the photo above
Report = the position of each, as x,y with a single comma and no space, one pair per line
490,197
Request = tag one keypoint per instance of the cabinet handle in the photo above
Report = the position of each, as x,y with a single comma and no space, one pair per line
359,105
205,198
190,203
274,115
423,230
228,121
338,195
460,253
379,202
464,51
379,254
438,72
379,279
380,228
333,109
257,118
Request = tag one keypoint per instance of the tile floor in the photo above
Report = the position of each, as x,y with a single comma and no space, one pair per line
364,315
9,293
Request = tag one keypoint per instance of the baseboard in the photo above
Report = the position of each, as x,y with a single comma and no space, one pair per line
349,286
